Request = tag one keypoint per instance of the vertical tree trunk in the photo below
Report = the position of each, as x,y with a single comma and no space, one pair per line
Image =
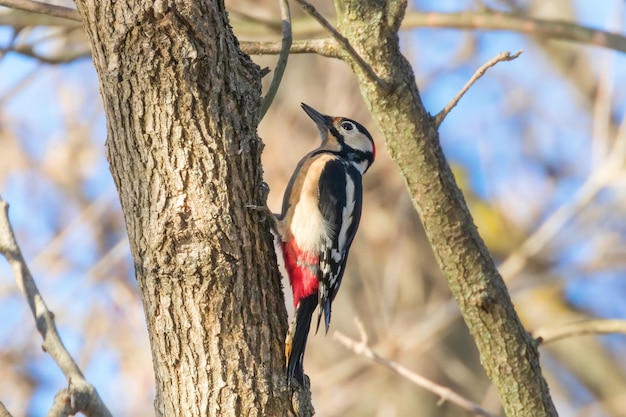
507,352
182,103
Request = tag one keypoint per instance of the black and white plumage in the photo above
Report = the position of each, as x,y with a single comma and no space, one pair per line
319,219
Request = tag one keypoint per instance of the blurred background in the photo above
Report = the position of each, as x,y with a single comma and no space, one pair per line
537,146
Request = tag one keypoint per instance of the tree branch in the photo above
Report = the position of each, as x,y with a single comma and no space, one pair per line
365,67
502,56
480,20
491,20
413,142
19,18
42,8
604,176
545,335
445,394
3,411
63,57
3,51
323,47
80,396
282,58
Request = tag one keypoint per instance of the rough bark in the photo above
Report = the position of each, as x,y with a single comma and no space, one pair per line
507,352
181,102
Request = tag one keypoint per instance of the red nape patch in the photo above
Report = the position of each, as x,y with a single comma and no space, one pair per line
302,279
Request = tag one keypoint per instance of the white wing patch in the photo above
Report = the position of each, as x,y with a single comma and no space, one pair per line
346,218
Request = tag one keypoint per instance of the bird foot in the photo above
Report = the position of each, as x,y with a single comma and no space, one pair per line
264,191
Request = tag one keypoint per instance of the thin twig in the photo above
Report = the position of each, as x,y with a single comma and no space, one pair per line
549,229
308,8
502,56
467,20
602,177
80,396
3,411
282,58
11,44
323,47
245,16
552,334
492,20
42,8
93,211
62,58
19,18
602,117
445,394
479,20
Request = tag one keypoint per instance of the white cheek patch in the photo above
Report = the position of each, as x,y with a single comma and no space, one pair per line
357,140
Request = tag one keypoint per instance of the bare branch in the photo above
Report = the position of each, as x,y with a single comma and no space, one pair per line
552,334
285,16
77,397
322,47
42,8
82,395
367,69
502,56
490,20
550,228
3,411
445,394
3,52
479,20
62,57
19,18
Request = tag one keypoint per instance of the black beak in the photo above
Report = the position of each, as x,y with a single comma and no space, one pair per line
322,121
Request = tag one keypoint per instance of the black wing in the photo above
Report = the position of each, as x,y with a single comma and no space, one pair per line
340,198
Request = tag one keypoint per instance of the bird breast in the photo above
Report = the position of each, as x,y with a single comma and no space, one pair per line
308,227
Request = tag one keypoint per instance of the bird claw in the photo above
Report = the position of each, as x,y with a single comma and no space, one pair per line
264,210
264,191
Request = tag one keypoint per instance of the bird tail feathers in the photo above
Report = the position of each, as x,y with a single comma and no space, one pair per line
295,342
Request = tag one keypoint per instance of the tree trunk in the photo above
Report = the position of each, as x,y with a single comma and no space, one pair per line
182,103
507,352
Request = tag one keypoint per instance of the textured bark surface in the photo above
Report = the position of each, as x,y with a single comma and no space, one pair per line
507,352
181,102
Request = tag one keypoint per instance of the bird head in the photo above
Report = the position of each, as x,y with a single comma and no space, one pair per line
344,136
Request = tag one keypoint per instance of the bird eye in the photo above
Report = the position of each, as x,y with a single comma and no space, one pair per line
347,125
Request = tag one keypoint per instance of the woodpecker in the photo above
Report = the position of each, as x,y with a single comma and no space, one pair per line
319,219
